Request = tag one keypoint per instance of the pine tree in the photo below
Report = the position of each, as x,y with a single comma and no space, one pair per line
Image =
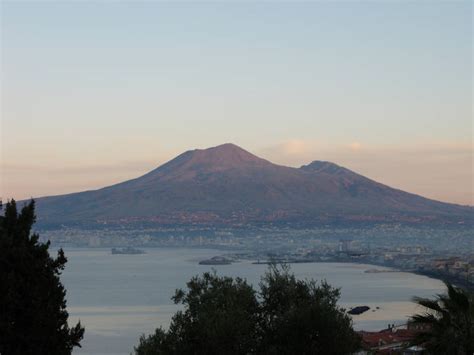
33,316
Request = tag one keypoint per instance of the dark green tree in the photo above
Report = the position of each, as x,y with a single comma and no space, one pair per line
226,316
302,316
448,320
33,316
219,317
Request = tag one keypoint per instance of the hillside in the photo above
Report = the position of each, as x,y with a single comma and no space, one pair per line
229,185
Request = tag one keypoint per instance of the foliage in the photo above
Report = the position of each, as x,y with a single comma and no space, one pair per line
302,317
223,315
219,318
33,316
449,322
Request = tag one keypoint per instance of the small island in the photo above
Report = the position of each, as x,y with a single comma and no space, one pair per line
216,260
127,251
358,310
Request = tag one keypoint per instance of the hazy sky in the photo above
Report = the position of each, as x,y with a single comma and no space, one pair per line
97,92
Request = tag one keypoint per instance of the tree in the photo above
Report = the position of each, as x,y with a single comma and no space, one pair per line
448,321
219,318
302,317
223,315
33,316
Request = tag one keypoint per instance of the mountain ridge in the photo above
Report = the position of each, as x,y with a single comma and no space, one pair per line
227,184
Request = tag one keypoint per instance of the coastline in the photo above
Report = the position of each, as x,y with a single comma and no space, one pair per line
452,279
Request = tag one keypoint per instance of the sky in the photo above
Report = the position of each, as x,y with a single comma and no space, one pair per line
97,92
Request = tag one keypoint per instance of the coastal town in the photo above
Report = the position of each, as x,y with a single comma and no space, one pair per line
425,251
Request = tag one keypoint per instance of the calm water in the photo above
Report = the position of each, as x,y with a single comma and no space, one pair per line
119,297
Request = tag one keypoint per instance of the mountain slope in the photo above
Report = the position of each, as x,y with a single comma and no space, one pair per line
227,184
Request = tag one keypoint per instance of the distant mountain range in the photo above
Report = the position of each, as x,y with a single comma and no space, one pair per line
228,185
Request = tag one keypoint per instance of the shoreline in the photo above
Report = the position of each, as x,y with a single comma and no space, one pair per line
460,282
456,281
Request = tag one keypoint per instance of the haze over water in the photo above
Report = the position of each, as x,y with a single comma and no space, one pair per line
119,297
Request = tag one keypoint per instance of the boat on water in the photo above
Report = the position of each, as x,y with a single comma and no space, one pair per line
216,260
127,251
376,271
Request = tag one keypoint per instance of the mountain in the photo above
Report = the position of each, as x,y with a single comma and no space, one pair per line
228,185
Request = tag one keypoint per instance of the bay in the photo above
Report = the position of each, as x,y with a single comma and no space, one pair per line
119,297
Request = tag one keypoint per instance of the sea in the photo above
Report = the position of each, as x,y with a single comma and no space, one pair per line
120,297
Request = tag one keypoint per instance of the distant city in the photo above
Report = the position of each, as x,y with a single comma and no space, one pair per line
445,253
